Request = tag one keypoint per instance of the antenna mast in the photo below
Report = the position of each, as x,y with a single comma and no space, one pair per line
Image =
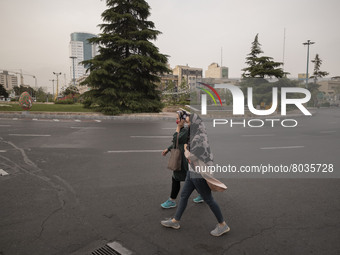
284,49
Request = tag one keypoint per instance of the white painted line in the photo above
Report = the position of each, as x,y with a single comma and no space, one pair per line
327,132
35,119
259,135
15,118
135,151
98,121
56,120
33,135
156,137
3,151
286,147
174,128
77,120
5,125
119,248
3,173
88,127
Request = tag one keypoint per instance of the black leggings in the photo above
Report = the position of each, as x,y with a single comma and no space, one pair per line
176,186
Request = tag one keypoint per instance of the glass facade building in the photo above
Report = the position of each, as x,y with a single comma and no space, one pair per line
80,49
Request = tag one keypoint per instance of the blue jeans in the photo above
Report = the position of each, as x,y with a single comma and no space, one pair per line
195,181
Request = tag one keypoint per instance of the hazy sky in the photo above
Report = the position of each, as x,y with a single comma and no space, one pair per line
35,34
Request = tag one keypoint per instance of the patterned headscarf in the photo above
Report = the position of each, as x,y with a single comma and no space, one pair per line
200,152
182,114
199,144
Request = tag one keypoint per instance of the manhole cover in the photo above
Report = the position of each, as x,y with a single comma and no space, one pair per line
113,248
105,250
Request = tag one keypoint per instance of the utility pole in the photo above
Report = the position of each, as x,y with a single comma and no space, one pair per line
284,49
221,56
74,75
57,74
307,43
52,87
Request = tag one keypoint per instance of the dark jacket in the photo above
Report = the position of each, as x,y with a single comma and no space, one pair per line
182,139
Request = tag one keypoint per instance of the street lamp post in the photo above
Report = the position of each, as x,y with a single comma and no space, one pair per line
52,87
57,74
74,76
307,43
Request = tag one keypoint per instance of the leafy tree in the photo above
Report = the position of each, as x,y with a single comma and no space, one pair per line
19,90
317,73
71,90
176,95
41,95
169,97
124,75
3,91
261,66
184,90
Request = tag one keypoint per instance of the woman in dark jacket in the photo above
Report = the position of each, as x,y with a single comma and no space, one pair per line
180,175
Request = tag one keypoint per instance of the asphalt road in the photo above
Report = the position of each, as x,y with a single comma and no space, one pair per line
74,186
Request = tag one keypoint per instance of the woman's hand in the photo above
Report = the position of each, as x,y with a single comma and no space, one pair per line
165,152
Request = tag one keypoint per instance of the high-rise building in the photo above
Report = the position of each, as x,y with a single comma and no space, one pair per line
80,49
8,80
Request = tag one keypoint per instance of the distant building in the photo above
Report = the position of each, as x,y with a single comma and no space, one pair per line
190,74
330,87
81,50
216,71
8,80
302,76
166,79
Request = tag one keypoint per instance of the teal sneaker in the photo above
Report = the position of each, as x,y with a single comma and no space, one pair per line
198,199
169,204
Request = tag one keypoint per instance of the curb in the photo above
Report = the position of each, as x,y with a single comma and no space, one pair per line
25,115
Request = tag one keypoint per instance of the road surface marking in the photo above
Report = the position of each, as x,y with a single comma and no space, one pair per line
286,147
3,151
3,173
259,135
156,137
77,120
135,151
98,121
327,132
5,125
15,118
33,135
88,127
173,128
56,120
35,119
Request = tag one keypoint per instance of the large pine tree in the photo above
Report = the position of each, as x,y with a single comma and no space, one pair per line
261,66
124,75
